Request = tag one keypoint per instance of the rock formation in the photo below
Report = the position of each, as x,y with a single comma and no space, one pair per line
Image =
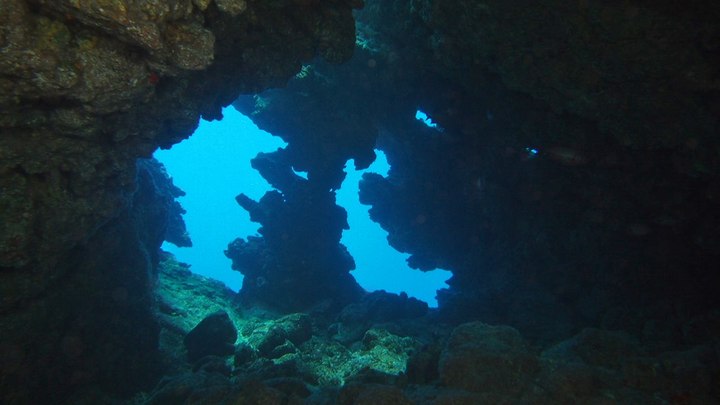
87,88
573,173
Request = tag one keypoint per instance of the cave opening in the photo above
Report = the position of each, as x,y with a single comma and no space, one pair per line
213,166
367,242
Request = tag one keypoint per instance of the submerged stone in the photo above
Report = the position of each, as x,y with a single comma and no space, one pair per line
214,335
487,359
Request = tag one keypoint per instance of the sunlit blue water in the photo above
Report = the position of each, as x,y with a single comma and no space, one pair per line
213,166
380,267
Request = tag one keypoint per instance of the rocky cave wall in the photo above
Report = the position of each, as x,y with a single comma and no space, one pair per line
87,88
613,223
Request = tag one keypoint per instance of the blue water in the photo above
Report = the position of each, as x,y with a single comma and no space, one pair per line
379,266
213,166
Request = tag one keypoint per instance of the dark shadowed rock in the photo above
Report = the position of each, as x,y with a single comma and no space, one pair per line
182,388
381,306
214,335
244,354
422,367
376,307
372,394
297,261
487,359
212,364
596,347
290,386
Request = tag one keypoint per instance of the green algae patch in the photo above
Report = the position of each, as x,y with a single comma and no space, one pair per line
330,363
184,298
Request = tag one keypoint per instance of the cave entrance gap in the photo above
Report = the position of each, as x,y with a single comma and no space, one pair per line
213,166
378,265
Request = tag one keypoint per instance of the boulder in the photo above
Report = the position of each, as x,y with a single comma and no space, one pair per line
214,335
483,358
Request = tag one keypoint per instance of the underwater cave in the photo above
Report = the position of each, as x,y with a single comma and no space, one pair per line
215,162
559,161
